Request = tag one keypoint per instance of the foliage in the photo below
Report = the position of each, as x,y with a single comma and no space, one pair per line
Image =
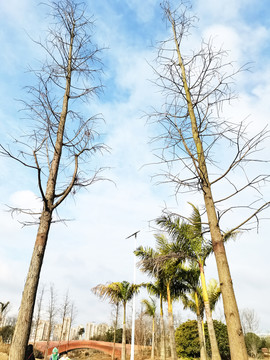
222,339
108,336
6,332
187,340
81,331
254,344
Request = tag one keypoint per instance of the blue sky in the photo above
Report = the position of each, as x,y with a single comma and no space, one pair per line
92,249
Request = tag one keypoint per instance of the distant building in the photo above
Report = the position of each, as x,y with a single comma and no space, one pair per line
74,332
40,333
64,332
61,332
93,330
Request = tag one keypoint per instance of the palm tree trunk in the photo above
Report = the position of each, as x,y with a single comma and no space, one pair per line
153,340
171,325
114,330
123,353
203,355
208,314
162,330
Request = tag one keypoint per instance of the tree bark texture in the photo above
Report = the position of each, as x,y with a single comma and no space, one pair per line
162,330
153,340
212,335
203,354
171,325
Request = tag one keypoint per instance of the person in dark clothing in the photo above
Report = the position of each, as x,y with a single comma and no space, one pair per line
29,353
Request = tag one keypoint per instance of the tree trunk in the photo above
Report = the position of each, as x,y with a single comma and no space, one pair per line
234,328
203,355
212,335
171,325
114,330
123,353
162,330
23,325
153,340
236,338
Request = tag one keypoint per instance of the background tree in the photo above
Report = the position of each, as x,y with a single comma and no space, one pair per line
118,292
62,139
64,311
196,84
104,293
187,340
254,345
158,289
37,318
3,311
72,314
81,331
115,325
51,316
6,333
222,339
170,273
194,302
188,240
250,321
150,309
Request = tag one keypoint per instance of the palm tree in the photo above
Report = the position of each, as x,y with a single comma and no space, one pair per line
170,272
150,309
188,238
157,289
121,292
194,302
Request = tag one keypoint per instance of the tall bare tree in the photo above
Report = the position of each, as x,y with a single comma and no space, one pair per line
62,140
65,311
38,312
51,312
195,85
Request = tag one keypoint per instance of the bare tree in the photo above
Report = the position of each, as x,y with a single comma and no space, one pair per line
38,312
4,307
195,86
62,140
250,321
64,310
72,314
51,312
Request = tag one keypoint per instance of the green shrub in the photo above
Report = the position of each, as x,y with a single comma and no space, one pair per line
188,344
254,344
187,340
222,340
